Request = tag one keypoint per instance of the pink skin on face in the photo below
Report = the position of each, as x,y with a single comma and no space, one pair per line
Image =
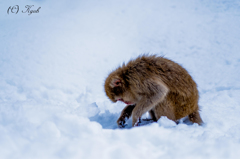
128,103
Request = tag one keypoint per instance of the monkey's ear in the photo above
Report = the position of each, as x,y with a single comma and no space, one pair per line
116,83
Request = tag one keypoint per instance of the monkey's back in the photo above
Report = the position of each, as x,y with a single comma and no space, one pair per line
171,73
183,94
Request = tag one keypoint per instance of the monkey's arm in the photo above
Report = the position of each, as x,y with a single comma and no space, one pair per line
126,113
155,92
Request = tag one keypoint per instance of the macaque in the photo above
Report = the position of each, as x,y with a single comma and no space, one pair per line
155,85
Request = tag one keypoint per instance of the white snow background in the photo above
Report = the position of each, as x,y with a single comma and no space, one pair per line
53,65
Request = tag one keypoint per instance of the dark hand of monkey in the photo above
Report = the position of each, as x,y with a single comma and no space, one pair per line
121,123
125,115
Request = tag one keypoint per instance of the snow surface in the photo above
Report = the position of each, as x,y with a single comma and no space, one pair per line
53,65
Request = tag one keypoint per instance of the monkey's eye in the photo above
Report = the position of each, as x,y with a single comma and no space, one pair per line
117,83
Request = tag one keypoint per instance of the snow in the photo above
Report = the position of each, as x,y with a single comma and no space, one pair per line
53,65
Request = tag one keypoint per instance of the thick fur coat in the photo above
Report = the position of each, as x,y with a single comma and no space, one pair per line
156,85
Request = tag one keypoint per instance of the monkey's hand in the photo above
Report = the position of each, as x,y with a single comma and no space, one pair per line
121,122
125,115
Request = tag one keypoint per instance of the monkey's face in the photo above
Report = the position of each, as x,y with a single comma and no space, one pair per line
126,97
117,90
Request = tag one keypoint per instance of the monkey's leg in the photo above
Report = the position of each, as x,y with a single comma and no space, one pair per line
126,113
157,91
152,115
144,106
165,108
195,117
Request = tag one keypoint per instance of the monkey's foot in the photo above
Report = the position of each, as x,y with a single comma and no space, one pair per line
145,122
138,123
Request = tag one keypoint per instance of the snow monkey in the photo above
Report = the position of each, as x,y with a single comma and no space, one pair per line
156,85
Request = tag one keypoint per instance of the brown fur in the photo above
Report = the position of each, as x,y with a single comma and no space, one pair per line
156,85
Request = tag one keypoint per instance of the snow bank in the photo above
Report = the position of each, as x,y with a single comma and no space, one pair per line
53,65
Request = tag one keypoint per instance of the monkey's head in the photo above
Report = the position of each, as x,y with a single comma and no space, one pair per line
117,89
